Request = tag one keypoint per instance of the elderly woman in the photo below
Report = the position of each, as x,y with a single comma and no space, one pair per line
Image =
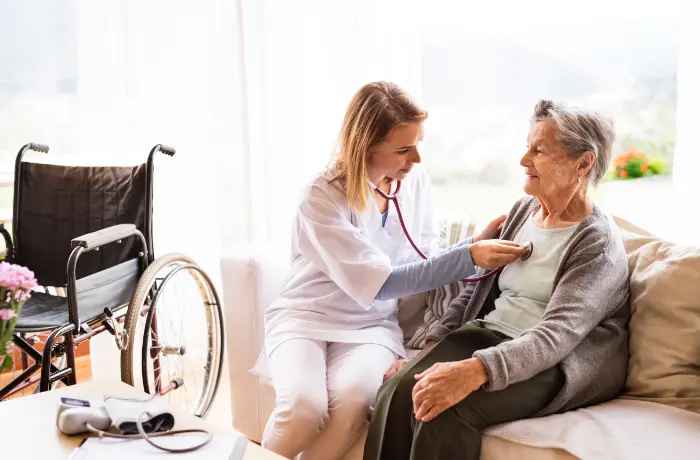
547,335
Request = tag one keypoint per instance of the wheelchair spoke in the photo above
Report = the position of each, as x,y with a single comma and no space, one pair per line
179,337
157,374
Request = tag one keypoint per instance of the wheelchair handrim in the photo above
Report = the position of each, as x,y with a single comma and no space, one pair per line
215,346
153,280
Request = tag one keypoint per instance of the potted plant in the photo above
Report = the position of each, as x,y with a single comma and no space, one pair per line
634,164
16,283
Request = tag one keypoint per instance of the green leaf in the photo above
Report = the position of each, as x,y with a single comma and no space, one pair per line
6,363
634,168
657,165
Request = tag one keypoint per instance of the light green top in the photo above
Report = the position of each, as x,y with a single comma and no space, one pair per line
526,285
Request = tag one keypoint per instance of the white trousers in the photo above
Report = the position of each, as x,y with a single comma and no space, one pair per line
324,392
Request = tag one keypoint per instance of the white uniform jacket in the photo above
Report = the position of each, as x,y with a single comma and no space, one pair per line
340,260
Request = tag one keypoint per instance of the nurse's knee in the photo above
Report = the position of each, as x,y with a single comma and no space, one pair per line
304,410
352,405
357,396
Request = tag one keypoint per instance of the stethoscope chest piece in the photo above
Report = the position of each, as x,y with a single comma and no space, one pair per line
528,250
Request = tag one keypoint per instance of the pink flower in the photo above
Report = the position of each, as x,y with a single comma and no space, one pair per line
16,277
6,314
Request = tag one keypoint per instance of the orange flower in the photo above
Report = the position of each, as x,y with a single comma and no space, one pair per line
623,174
644,167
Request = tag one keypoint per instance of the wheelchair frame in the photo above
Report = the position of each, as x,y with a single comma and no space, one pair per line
75,332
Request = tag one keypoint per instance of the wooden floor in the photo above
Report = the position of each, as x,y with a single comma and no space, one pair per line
83,369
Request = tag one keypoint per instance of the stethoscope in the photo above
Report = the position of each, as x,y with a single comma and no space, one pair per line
394,197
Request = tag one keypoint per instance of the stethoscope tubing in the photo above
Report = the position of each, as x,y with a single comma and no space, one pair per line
394,197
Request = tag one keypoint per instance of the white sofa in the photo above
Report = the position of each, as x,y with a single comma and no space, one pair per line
627,427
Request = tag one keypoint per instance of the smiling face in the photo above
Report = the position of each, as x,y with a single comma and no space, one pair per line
550,171
394,158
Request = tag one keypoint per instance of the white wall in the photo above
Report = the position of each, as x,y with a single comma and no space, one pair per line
686,173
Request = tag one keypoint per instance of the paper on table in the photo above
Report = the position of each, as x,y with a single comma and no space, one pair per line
221,447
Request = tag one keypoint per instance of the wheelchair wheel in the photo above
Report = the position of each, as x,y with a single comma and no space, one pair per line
174,335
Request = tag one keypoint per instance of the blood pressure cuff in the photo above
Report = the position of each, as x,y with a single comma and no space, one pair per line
154,414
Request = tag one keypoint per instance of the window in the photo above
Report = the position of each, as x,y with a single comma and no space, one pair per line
102,82
483,70
38,81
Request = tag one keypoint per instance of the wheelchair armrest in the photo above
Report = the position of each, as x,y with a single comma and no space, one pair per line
104,236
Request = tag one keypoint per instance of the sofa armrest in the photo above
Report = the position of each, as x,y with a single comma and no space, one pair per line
252,277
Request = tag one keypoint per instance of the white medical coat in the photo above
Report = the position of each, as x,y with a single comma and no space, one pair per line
340,260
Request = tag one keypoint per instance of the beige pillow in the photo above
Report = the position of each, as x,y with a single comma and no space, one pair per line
411,312
664,364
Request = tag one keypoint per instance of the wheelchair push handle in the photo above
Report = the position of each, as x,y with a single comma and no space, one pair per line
166,149
38,147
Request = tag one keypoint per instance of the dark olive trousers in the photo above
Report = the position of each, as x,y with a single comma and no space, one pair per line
395,434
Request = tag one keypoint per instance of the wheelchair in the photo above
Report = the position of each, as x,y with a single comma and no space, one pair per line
86,233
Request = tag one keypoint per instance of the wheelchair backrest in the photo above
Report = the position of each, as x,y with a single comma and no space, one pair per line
58,203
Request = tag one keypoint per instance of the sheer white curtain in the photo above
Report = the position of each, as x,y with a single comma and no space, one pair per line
303,62
250,93
102,81
168,71
38,88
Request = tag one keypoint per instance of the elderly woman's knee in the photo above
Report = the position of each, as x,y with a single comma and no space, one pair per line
404,385
398,388
449,420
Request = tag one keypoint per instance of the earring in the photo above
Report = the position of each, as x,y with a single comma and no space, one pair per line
578,180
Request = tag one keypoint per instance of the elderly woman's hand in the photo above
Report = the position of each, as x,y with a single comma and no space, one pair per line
445,384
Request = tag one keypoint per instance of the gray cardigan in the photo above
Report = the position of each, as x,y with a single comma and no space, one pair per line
584,327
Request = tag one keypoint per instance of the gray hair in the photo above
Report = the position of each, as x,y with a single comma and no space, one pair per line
580,131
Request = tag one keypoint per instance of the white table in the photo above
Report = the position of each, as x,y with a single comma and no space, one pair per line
28,424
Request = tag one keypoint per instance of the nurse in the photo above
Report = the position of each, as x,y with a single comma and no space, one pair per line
333,331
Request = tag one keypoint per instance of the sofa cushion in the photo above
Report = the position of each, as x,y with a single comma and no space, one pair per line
664,364
411,312
617,429
438,299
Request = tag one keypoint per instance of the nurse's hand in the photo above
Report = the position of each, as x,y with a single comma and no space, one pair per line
492,230
399,364
492,254
394,368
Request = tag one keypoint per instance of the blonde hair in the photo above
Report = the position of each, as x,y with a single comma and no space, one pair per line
374,111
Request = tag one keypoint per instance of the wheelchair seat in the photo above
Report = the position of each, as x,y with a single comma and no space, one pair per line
42,312
109,288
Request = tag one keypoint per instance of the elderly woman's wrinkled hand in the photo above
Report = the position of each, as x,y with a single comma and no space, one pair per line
445,384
